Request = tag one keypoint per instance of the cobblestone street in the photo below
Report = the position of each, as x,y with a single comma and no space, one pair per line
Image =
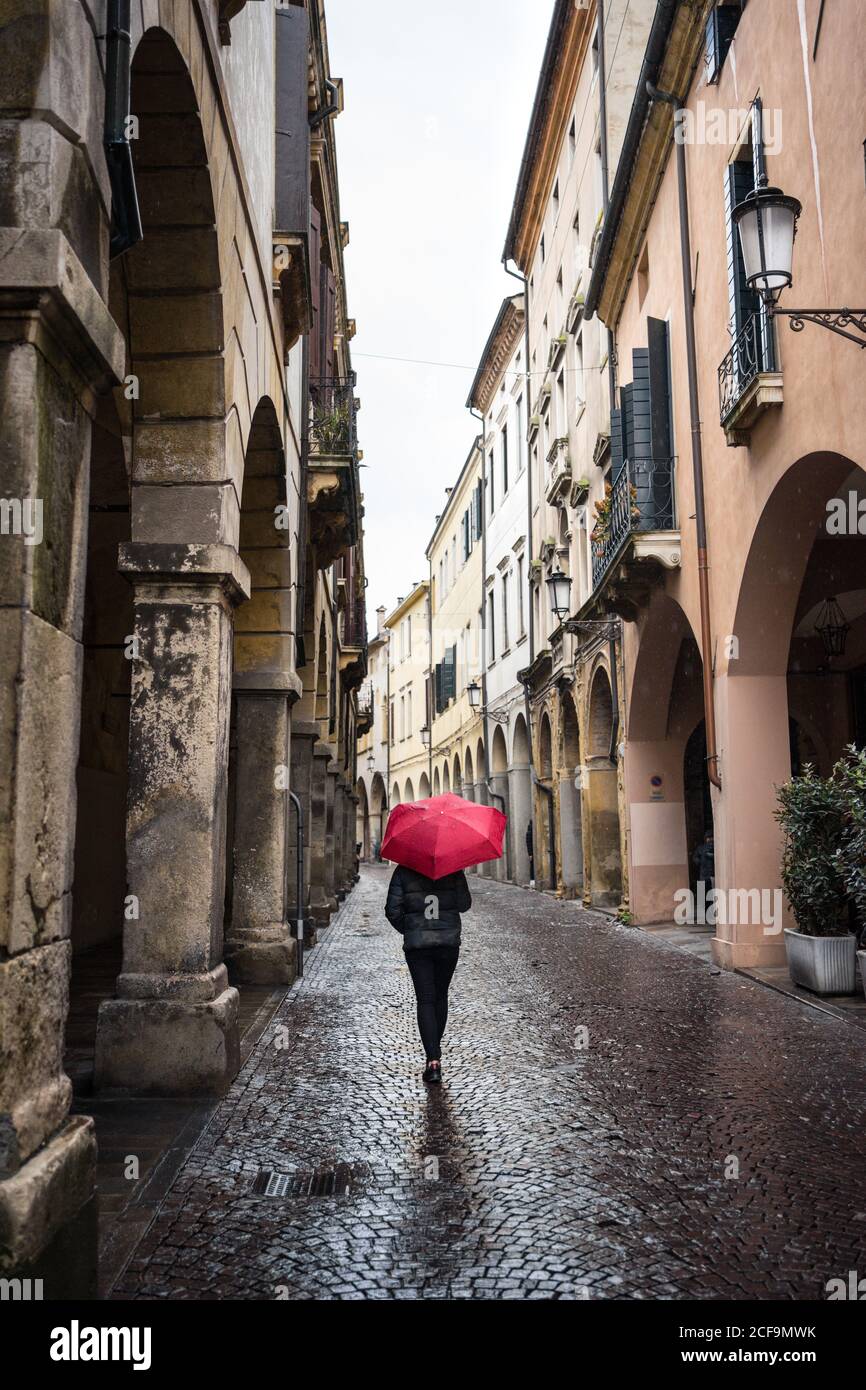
542,1168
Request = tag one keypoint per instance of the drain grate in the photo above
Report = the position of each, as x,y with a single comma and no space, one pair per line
335,1181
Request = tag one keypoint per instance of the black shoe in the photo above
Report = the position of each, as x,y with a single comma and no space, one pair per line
433,1073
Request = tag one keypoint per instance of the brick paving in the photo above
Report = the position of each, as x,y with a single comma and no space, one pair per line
541,1168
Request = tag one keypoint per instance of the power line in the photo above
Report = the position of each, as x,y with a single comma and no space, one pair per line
462,366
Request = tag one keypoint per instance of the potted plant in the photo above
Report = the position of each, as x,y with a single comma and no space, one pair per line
850,772
821,951
603,509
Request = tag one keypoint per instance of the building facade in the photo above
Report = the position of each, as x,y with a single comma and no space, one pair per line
573,677
457,758
374,753
182,626
408,626
726,697
498,395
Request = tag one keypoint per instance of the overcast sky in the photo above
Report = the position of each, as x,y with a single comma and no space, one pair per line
438,98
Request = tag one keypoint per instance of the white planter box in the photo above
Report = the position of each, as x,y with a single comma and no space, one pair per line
825,964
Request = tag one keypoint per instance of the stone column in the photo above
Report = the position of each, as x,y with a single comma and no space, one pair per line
603,808
520,799
501,869
173,1027
339,839
571,833
259,946
304,736
332,835
358,837
321,905
58,347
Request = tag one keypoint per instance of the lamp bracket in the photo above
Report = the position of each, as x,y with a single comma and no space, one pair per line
608,629
837,320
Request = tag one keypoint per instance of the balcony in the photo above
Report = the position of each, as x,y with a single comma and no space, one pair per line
332,429
636,538
365,709
558,472
332,455
749,382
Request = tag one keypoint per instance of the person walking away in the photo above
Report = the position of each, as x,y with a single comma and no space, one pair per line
530,853
426,911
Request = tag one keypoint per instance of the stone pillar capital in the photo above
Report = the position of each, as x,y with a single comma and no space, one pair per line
48,298
185,566
283,684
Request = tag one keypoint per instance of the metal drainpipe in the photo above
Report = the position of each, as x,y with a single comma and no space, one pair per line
126,218
697,451
484,723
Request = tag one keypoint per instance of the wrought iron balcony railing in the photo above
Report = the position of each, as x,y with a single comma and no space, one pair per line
641,499
355,624
752,353
331,431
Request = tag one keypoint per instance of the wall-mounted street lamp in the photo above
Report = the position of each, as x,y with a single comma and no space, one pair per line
832,628
425,735
473,690
767,223
559,588
371,762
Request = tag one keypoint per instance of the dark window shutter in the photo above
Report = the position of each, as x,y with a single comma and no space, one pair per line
316,288
721,27
640,438
617,445
292,142
658,353
328,319
625,401
437,679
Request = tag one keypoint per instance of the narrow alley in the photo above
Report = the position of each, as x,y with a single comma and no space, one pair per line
601,1089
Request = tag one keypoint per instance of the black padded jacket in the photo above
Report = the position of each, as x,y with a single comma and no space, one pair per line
427,910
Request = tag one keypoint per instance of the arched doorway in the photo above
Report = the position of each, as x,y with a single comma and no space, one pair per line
409,791
378,814
258,946
570,782
807,548
362,822
457,780
437,784
603,796
697,800
545,843
500,868
423,787
468,776
446,777
665,814
520,789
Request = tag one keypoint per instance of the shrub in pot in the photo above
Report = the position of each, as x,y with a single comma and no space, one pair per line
821,952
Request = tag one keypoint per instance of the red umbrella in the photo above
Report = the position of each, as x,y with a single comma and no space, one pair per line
442,834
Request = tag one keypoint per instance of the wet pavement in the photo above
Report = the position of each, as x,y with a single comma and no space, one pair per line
617,1121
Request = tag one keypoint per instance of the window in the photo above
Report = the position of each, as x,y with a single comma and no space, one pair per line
721,27
595,54
521,625
491,627
542,248
572,139
409,715
391,729
521,432
749,325
561,422
555,201
445,574
490,485
579,386
409,635
504,459
505,612
643,276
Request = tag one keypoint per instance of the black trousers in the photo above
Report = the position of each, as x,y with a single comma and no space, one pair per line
431,968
